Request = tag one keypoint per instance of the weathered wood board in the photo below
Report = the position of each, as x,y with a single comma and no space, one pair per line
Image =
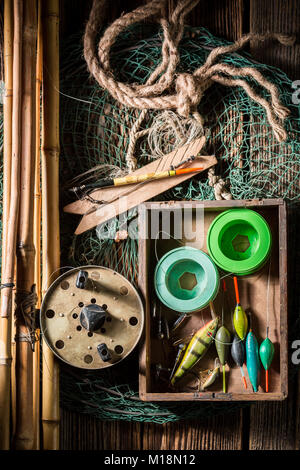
123,199
270,425
106,194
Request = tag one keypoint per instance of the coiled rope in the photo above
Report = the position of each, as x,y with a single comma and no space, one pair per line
166,89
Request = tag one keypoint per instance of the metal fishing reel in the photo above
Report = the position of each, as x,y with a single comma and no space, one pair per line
92,317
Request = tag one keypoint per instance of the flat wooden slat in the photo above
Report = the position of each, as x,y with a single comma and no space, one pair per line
273,425
131,197
222,432
152,188
84,432
224,18
276,426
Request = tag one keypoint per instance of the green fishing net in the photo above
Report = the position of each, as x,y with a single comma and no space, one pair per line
95,130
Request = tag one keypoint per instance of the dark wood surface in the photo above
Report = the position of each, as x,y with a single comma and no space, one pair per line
261,426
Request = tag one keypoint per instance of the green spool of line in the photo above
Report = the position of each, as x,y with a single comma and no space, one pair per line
239,241
186,279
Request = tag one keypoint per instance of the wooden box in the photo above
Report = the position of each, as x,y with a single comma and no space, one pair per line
253,293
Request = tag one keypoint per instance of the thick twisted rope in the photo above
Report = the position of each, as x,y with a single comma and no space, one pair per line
158,91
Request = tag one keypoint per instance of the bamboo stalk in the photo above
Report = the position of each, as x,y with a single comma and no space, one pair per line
24,432
7,137
37,230
13,370
50,208
10,248
7,115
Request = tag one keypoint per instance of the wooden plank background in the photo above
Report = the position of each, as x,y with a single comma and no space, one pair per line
261,426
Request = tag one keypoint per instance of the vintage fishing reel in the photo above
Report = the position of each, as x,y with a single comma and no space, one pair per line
92,317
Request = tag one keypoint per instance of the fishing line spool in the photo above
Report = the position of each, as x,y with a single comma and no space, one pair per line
186,279
91,317
239,241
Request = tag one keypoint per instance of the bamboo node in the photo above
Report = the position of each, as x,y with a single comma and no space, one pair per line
7,285
5,361
26,314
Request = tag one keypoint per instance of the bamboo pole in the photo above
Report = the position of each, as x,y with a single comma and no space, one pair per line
7,116
24,432
13,370
37,230
50,208
7,132
10,232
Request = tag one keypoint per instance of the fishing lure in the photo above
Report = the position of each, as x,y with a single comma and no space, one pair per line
266,353
181,348
179,322
211,376
240,320
238,355
159,369
252,359
196,349
222,341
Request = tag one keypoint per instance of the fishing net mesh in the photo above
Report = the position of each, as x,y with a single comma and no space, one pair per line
95,130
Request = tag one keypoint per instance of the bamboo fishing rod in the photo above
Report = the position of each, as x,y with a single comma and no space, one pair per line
25,288
7,118
50,209
7,139
11,235
37,229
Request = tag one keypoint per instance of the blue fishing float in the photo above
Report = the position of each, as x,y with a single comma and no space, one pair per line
252,360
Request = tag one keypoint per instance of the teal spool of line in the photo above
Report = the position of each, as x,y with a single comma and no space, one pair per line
239,241
186,279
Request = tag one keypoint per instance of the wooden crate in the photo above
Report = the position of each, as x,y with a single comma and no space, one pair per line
253,294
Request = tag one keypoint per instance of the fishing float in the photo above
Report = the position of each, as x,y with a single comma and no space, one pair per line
222,342
266,354
252,359
266,350
238,355
240,320
135,179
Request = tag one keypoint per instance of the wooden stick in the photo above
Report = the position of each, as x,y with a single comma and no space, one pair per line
10,250
7,135
7,114
24,433
37,230
50,208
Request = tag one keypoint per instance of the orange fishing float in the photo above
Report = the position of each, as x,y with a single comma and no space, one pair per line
135,179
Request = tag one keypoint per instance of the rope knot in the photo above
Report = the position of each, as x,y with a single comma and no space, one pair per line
189,90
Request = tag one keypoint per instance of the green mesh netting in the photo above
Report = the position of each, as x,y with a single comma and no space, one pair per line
95,129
